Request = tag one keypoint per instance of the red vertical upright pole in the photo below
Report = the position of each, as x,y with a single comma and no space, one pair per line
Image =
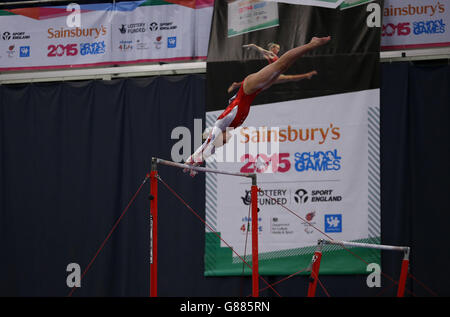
403,275
255,269
153,231
315,267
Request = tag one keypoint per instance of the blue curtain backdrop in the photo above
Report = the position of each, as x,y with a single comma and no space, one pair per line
73,154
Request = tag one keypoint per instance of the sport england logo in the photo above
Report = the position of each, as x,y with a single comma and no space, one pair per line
6,36
15,36
315,196
333,223
153,26
301,196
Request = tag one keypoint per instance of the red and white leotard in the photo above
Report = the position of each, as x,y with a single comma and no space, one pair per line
232,117
273,59
237,110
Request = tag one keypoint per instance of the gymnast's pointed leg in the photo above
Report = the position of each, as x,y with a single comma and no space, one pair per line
264,78
204,151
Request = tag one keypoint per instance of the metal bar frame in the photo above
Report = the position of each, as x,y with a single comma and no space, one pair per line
316,259
154,220
314,268
153,230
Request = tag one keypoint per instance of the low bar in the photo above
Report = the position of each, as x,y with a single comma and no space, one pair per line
367,245
318,255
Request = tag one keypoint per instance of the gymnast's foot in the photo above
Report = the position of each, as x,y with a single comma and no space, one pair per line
233,86
190,161
319,41
310,74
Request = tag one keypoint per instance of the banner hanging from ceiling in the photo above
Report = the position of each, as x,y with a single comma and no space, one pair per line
245,16
319,3
411,24
324,167
104,34
342,4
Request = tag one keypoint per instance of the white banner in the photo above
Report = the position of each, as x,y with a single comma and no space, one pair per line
347,4
326,171
409,24
251,15
130,32
318,3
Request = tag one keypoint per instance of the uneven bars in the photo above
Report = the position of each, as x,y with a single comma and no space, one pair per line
367,245
153,211
201,169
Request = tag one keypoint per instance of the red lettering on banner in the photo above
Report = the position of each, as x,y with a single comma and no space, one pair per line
401,28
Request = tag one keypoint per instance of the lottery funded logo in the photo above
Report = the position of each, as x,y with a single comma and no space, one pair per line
267,197
132,28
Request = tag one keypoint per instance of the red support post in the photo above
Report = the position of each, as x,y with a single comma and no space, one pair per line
153,233
403,275
315,267
255,270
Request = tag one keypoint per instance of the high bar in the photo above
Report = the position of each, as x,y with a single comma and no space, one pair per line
366,245
201,169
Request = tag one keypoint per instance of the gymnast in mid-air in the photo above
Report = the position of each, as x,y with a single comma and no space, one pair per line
271,55
239,105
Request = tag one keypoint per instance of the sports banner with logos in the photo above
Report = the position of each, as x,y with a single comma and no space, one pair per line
314,145
126,32
409,24
342,4
246,16
320,3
